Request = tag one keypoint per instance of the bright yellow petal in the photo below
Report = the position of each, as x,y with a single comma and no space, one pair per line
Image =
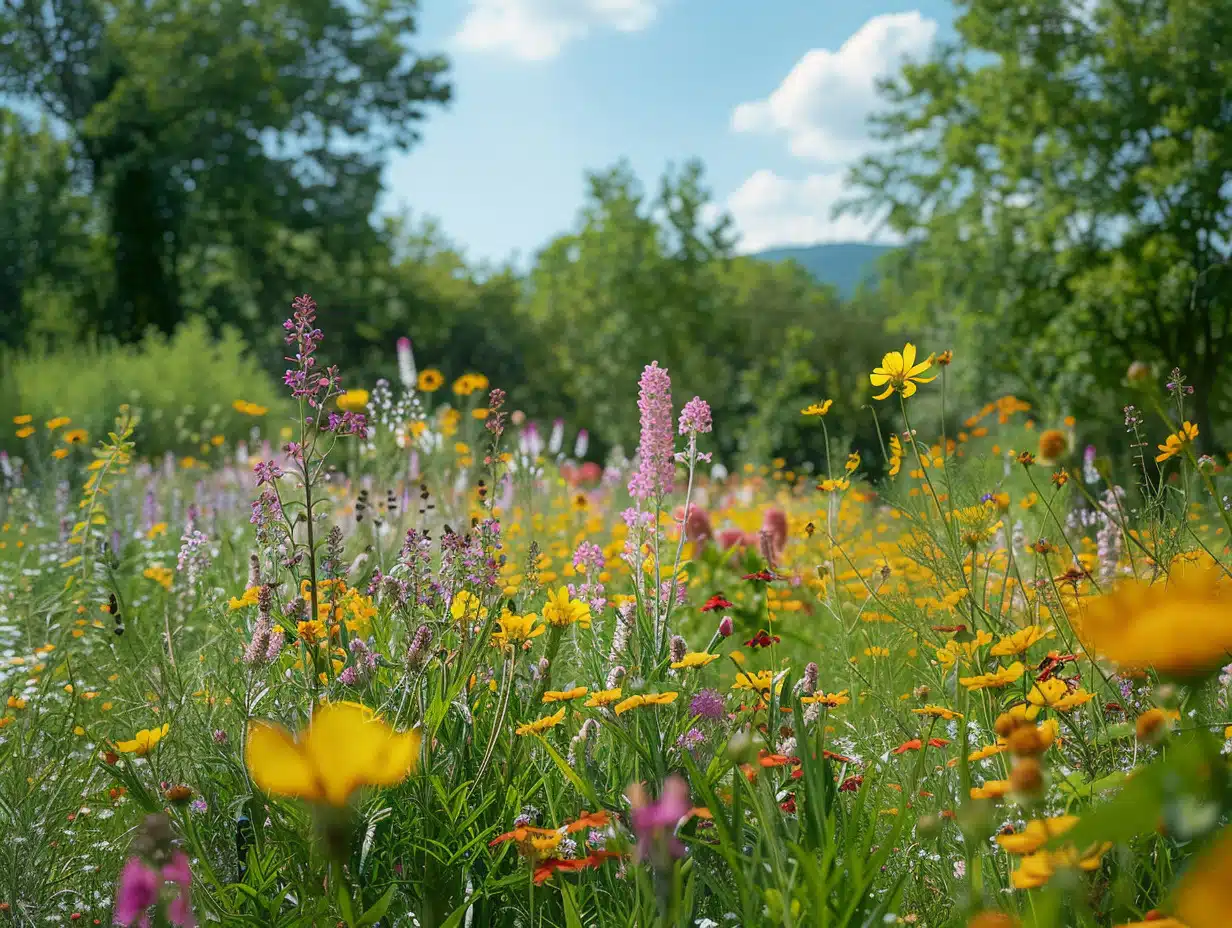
908,388
925,379
881,396
278,765
346,743
877,378
908,356
920,368
892,362
401,760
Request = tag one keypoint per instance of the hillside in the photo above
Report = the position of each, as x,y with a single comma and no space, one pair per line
842,264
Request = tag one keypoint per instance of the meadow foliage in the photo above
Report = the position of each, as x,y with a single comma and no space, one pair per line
411,660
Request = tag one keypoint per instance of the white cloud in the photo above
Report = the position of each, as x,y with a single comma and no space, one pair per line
535,30
822,104
772,211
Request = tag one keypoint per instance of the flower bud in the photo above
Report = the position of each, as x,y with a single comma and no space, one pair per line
726,626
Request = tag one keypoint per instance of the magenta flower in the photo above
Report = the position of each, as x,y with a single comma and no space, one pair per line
177,872
654,821
656,451
138,890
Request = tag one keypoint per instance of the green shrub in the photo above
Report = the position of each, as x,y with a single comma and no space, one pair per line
182,386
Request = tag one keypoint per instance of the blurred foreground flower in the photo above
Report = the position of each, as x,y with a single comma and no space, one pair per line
654,821
345,746
1182,630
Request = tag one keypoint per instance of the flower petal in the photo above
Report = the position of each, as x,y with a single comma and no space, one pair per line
881,396
278,765
877,379
908,356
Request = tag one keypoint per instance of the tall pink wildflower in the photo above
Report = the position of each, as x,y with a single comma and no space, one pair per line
656,451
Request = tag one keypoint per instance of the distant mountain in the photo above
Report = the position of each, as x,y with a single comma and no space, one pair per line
844,265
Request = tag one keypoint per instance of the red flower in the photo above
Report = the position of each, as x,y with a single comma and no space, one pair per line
762,640
762,576
545,870
841,758
588,820
715,603
851,784
766,759
789,805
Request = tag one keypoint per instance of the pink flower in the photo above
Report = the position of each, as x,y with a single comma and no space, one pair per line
695,417
654,821
726,626
656,451
179,911
138,890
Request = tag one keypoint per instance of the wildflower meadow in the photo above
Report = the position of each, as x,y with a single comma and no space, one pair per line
404,658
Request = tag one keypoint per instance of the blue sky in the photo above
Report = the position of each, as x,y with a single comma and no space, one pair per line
773,101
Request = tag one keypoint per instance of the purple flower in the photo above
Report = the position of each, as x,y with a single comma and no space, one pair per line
695,417
138,890
656,451
654,821
179,912
708,704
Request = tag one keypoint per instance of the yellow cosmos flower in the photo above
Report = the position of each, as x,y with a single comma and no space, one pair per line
1055,694
353,401
541,725
430,380
248,599
956,650
25,431
144,741
938,712
345,746
564,695
1018,642
560,611
516,629
989,750
1036,834
57,422
311,632
899,372
817,409
23,420
1037,869
602,698
645,699
760,681
1183,629
829,700
163,576
992,789
831,485
694,659
245,408
1002,676
1176,442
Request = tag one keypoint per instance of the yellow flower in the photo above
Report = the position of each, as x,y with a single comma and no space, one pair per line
1018,642
1175,442
144,741
57,422
560,611
23,420
694,659
311,632
467,607
992,789
759,681
59,453
645,699
939,712
160,575
955,649
1037,869
830,700
602,698
430,380
541,725
853,462
345,746
564,695
1002,676
25,431
1036,834
989,750
830,485
1054,694
248,409
353,401
817,409
1183,629
516,629
16,702
248,599
899,372
896,455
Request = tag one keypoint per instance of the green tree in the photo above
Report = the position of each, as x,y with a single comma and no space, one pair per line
1065,170
47,248
208,124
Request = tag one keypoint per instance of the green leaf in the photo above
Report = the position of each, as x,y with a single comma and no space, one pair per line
378,910
573,918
